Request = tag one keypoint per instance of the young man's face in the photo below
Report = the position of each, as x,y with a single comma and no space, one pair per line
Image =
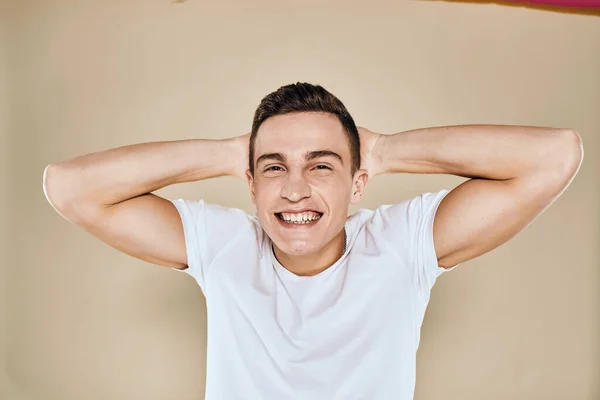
287,182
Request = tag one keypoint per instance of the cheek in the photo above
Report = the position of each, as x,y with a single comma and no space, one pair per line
265,194
332,191
335,194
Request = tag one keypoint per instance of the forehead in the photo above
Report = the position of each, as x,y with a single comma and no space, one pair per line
296,133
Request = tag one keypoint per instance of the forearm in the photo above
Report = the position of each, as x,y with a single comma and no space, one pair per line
112,176
477,151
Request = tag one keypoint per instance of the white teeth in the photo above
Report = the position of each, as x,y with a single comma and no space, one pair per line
300,218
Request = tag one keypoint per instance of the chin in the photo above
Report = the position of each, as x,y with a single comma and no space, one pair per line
297,248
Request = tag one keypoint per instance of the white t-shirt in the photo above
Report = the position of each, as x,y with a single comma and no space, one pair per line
350,332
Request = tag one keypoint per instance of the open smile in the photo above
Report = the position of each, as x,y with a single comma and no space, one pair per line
304,220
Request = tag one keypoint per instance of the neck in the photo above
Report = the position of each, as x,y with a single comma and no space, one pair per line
312,264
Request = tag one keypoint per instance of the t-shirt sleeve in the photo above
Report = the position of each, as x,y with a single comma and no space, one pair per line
208,228
408,226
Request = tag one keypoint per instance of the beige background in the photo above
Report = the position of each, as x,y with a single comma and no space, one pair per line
84,321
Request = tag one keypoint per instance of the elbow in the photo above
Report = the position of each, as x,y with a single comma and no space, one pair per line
55,188
45,183
558,165
571,155
562,162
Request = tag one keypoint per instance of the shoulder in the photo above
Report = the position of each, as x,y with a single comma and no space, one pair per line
214,222
404,222
210,211
410,211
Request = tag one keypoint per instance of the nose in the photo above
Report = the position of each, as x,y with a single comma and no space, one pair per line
295,188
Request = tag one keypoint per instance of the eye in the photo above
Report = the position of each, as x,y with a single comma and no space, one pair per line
321,165
271,168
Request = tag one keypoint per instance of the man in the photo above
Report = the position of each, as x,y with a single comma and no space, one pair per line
303,301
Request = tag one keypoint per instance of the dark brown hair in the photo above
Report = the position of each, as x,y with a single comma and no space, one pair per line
304,97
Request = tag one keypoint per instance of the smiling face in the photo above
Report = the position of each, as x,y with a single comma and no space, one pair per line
302,163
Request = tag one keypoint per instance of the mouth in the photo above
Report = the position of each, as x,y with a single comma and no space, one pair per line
299,221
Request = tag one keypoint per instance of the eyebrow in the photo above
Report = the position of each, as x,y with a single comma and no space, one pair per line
308,156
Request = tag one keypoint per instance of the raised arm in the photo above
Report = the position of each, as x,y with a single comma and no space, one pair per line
109,193
517,172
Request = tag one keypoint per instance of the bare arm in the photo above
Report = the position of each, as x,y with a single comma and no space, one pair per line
517,172
108,193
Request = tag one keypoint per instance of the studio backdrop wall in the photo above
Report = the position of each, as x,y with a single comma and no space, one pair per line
83,321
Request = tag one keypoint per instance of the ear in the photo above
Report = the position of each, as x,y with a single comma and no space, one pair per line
358,187
250,181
